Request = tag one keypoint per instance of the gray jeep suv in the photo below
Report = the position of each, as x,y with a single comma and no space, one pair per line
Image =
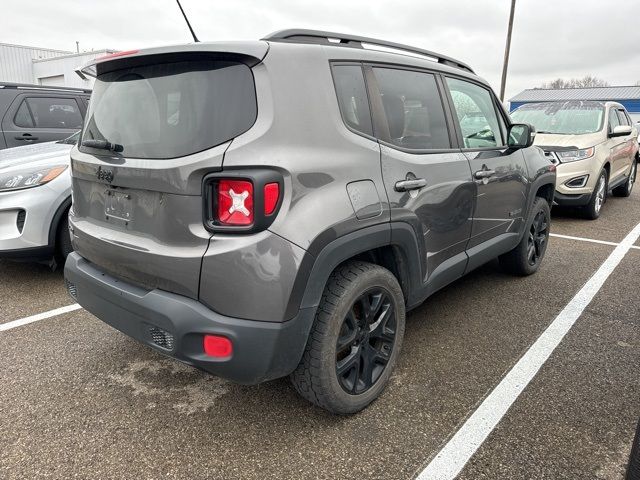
272,208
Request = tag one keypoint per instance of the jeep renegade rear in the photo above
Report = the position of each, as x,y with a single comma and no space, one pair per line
272,208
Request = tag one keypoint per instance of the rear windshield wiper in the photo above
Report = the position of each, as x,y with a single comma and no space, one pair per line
103,145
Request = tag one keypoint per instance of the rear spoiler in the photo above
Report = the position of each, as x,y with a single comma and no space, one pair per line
250,53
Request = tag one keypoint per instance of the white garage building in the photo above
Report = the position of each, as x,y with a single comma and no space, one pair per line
44,66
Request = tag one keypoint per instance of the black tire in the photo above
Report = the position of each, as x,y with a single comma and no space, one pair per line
342,339
626,188
63,239
633,470
593,209
526,257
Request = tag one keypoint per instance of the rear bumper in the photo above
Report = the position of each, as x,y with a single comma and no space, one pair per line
577,200
261,350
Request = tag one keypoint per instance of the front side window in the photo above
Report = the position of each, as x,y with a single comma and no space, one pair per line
622,118
352,97
413,109
476,114
169,110
614,121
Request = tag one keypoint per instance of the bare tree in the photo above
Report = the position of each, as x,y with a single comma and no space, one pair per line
586,81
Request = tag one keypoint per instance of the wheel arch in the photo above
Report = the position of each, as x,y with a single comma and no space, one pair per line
392,246
57,219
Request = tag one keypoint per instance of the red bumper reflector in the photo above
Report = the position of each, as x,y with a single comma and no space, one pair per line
271,195
217,346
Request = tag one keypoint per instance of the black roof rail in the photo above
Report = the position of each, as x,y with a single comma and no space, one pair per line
28,86
299,35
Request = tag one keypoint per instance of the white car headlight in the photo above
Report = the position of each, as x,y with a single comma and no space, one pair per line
28,178
574,155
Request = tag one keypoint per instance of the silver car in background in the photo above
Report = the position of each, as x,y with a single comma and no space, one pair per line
35,197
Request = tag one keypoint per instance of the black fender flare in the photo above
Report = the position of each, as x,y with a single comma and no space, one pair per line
546,178
400,235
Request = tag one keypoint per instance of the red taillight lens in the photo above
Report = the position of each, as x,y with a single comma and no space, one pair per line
271,195
217,346
235,202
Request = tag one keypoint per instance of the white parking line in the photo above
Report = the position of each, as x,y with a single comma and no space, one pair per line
590,240
39,316
450,461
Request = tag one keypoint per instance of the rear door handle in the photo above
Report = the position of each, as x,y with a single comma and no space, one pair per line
413,184
484,173
26,137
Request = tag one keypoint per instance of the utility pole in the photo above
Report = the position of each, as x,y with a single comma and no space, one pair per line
507,48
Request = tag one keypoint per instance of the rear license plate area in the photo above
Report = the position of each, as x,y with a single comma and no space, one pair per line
118,205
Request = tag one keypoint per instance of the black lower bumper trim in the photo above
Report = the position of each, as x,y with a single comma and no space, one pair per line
261,350
32,254
578,200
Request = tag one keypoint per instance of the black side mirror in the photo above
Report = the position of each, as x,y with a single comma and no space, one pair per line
521,135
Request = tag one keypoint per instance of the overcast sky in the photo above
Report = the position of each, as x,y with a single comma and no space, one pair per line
551,39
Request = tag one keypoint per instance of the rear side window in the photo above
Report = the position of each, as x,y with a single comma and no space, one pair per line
44,112
170,110
476,114
413,109
352,97
23,117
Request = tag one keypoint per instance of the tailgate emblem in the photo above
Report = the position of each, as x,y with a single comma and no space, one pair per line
104,175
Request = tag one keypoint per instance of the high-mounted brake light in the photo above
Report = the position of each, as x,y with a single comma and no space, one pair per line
116,54
271,196
235,202
217,346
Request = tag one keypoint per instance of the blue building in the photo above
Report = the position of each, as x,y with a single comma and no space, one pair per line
627,96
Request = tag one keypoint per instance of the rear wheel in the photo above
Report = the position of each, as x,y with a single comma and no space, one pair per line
633,470
526,258
599,196
63,239
355,340
625,189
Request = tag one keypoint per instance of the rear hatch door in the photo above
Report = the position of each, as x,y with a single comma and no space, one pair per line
156,125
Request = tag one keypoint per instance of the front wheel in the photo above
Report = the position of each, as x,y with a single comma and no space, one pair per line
355,340
599,196
527,256
625,189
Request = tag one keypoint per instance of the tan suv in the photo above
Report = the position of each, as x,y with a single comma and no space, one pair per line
593,145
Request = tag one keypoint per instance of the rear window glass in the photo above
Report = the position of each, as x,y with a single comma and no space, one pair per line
170,110
352,97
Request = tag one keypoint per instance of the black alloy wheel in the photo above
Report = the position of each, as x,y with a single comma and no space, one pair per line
538,235
365,342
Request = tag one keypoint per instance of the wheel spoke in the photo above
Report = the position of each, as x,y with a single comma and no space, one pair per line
365,341
366,366
375,305
348,331
345,365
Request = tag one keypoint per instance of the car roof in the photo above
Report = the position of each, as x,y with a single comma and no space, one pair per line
348,47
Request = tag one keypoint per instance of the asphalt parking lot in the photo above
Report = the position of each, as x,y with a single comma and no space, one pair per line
79,399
